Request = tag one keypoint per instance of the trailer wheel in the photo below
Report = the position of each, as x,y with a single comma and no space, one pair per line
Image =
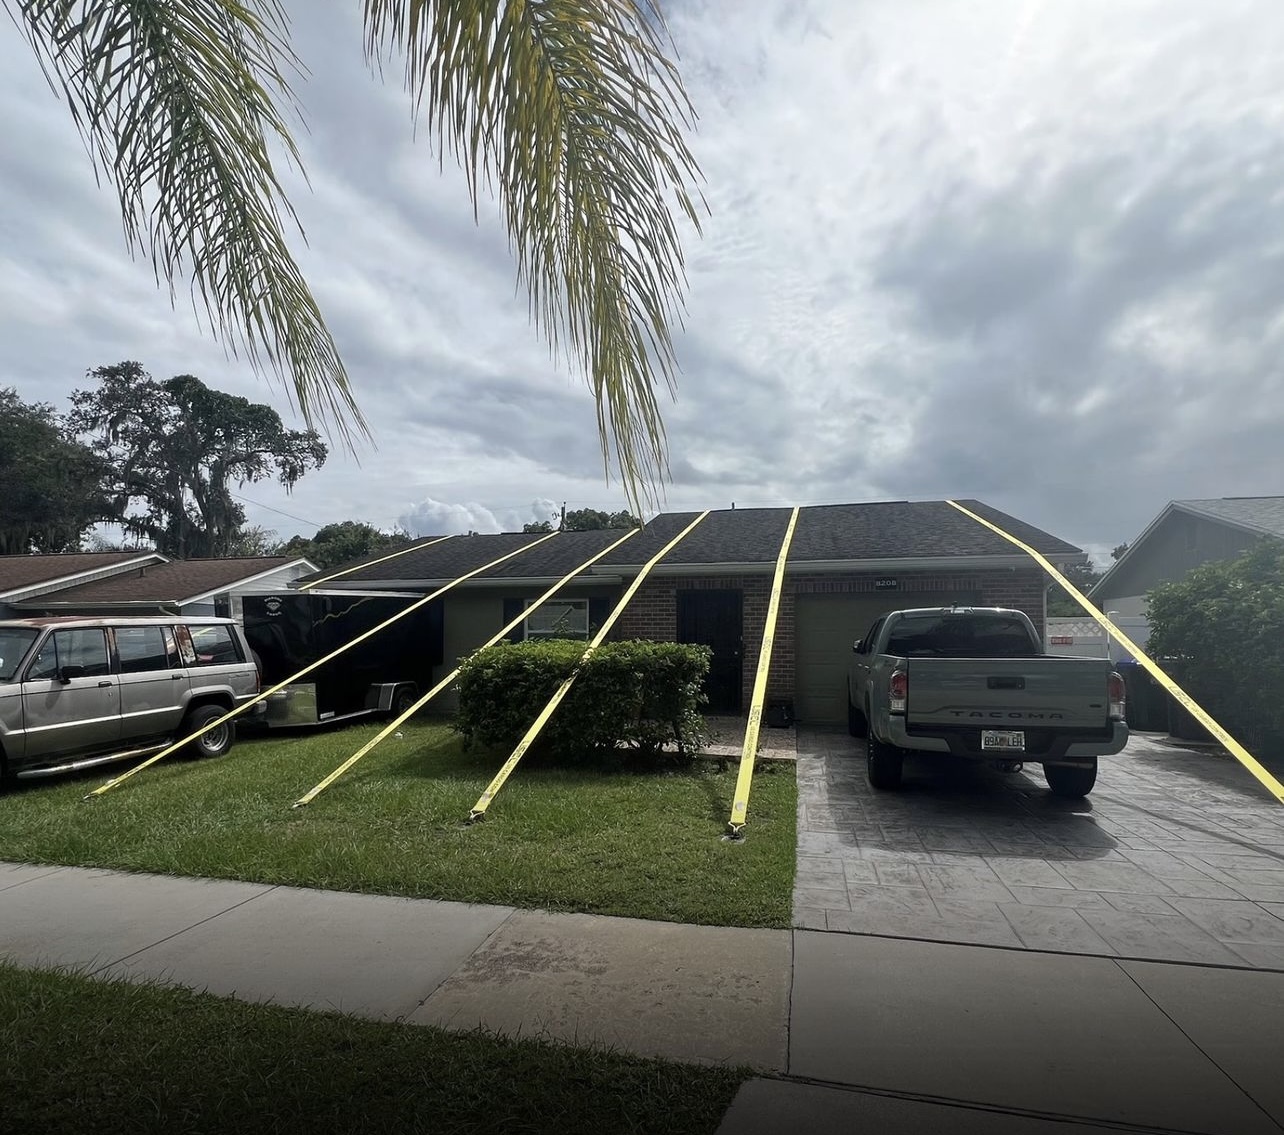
403,699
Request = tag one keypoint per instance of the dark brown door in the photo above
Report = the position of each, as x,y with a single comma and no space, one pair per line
713,619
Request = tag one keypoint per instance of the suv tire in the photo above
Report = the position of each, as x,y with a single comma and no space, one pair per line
1071,782
213,742
884,764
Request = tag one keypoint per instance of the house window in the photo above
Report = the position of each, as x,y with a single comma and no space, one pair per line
559,618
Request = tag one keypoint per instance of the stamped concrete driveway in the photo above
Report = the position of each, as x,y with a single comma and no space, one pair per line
1175,856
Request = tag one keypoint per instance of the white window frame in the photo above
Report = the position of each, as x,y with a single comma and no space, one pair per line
553,605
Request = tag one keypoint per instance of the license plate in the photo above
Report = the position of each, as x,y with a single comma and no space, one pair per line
1003,740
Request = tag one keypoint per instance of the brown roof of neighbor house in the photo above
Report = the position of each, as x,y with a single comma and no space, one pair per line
172,582
19,572
829,533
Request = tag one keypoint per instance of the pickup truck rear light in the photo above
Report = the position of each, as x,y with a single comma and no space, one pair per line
1116,694
898,691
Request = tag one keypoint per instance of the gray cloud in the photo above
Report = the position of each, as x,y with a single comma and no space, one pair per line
1026,252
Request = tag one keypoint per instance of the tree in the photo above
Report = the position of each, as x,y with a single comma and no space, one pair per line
1222,626
348,540
174,449
569,110
1117,552
538,526
50,485
254,540
1083,576
593,520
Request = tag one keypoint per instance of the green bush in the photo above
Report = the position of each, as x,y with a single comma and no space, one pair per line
629,696
1221,630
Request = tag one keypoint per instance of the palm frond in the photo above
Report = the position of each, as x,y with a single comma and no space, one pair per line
573,113
178,102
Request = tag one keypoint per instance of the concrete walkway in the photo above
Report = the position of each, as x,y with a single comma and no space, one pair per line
896,1034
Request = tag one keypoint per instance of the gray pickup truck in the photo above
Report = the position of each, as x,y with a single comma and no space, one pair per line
974,682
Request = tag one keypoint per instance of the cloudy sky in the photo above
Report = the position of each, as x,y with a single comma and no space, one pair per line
1022,250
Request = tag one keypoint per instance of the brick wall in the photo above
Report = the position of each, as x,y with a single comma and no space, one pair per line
653,613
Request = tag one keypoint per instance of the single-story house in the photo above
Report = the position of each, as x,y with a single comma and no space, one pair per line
23,578
847,565
142,583
1185,535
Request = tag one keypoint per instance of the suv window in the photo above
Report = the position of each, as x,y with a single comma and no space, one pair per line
143,648
962,636
14,644
82,646
215,645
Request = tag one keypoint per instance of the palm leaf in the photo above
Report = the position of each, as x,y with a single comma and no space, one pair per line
178,102
571,111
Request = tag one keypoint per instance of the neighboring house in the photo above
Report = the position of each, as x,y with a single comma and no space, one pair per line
154,584
24,578
1186,535
848,564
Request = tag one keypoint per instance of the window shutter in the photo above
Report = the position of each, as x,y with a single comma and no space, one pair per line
513,608
599,611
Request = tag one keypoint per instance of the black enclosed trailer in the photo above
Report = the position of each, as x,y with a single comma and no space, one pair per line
383,674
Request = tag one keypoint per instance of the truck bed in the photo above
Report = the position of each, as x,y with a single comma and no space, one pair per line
1007,693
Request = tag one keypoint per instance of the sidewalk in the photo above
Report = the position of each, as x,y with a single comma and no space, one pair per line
896,1035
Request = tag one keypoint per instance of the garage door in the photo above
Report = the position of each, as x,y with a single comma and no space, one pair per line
825,628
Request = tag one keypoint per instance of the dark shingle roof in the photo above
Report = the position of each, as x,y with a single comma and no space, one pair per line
1259,514
18,572
169,582
884,531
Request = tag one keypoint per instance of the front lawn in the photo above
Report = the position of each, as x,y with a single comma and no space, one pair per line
104,1058
636,844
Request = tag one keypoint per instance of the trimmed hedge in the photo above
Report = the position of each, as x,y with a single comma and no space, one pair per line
635,695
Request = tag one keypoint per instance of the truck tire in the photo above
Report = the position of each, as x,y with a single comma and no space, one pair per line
1071,782
856,723
884,764
213,742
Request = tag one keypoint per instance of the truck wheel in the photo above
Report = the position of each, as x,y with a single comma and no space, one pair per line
856,724
213,742
1071,781
884,764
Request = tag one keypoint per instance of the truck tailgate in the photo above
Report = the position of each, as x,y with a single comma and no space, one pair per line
1008,693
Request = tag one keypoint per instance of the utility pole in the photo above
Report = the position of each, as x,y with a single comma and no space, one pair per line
562,525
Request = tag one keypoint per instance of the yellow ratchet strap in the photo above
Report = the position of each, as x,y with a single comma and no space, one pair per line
483,801
401,719
1236,750
744,781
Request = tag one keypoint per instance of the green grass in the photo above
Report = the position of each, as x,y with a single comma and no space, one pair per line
108,1059
638,844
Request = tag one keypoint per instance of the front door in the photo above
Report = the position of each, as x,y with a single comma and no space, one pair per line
713,619
70,697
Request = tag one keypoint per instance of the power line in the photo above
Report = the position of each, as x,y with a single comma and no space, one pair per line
278,511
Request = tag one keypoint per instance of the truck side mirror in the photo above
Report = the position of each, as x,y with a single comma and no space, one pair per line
67,673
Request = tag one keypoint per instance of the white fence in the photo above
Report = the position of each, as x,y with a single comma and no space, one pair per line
1082,637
